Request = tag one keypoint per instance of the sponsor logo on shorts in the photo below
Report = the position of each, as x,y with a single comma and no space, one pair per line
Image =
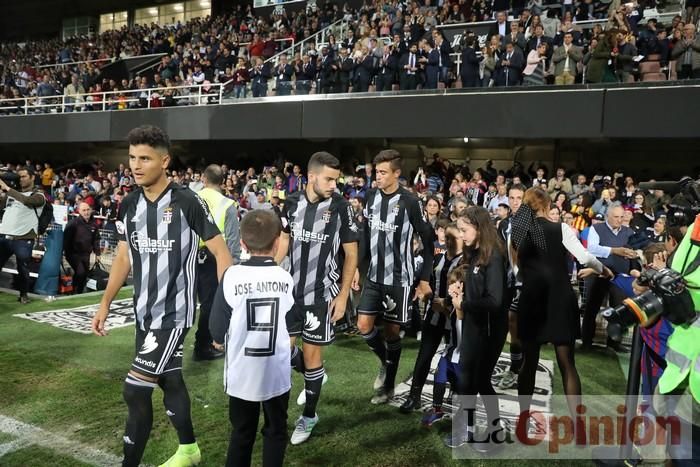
147,363
312,323
149,344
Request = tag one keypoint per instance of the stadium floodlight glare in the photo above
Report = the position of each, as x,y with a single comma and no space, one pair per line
153,11
204,4
178,7
466,139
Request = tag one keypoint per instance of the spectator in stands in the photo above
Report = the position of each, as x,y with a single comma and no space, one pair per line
469,73
431,64
296,180
305,71
598,70
566,58
408,66
500,28
516,37
559,183
240,79
81,239
534,72
686,52
259,76
623,58
345,66
509,67
537,38
283,76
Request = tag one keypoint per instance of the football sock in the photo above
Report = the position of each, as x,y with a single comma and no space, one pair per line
393,355
137,395
313,380
375,341
297,359
177,405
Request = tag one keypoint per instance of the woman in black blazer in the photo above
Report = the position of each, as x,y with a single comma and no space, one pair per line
480,302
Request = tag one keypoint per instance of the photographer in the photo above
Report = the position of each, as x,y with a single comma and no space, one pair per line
20,224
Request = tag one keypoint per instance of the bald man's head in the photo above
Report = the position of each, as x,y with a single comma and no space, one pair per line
85,211
615,216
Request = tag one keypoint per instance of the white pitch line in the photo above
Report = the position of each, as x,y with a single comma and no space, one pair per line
27,434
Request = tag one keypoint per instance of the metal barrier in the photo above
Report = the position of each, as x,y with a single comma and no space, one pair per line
196,95
318,38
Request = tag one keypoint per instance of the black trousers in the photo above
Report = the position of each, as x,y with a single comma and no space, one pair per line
207,283
481,346
22,249
244,416
407,82
385,81
431,336
81,267
599,289
687,72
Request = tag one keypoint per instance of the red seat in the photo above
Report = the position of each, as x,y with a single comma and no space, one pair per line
654,77
653,57
649,67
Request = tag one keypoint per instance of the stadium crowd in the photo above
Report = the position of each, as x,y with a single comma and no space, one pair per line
388,45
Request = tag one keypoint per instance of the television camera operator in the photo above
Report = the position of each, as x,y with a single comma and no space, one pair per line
20,222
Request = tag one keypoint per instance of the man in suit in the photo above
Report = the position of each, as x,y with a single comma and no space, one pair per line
327,73
538,37
469,73
516,37
283,76
444,49
363,71
345,67
408,69
509,67
350,40
406,40
624,59
565,59
431,64
388,66
501,26
259,76
306,74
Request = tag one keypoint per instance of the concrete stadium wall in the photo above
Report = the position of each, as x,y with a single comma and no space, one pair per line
650,112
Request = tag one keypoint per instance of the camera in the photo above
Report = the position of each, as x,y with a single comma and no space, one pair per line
668,295
685,204
10,178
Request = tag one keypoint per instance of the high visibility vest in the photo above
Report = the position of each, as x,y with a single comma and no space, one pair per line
683,354
218,205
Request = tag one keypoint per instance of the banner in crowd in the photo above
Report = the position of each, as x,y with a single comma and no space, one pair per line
79,319
541,400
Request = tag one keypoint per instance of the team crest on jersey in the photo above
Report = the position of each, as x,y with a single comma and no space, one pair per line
396,210
326,217
167,215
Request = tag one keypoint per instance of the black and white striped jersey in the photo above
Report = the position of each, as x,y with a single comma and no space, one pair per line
390,222
163,238
317,230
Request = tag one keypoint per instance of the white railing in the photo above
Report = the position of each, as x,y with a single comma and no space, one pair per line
56,65
321,37
103,101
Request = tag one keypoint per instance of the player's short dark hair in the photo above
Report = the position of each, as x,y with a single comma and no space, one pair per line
518,186
25,168
259,229
322,159
149,135
214,174
389,155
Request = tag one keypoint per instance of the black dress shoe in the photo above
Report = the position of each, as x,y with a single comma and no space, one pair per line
207,353
410,404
